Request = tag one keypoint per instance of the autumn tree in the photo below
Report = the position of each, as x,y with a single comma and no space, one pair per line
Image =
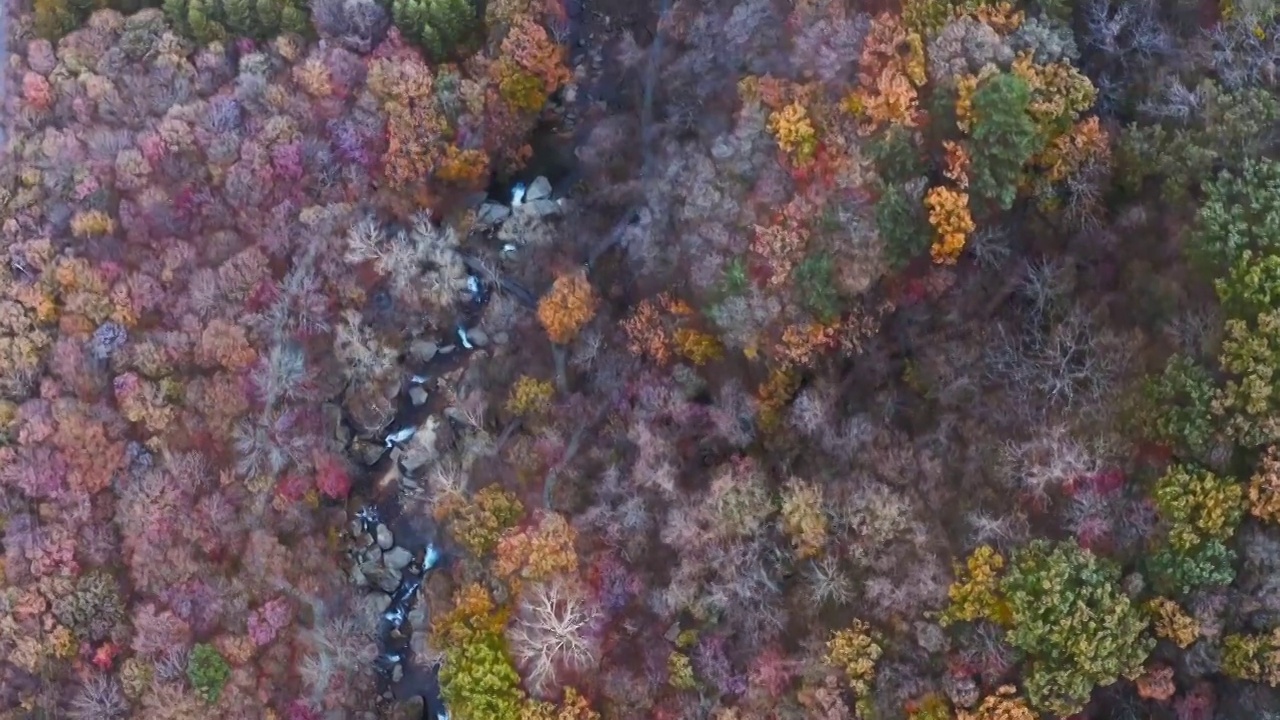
567,307
1078,628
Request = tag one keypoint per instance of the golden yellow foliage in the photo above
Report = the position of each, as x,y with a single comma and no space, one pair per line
572,707
803,518
473,615
892,67
478,523
1001,17
781,245
522,89
1004,705
1059,92
1086,142
773,396
463,167
966,86
974,595
530,396
1173,623
539,552
1264,487
63,643
794,131
891,100
951,221
92,223
568,306
697,347
957,168
649,332
889,43
855,652
801,343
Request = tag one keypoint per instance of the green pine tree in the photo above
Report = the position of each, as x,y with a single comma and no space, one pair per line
1004,138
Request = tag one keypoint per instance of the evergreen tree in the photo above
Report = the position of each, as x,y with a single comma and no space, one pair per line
1004,138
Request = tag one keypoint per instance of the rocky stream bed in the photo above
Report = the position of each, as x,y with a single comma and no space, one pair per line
392,552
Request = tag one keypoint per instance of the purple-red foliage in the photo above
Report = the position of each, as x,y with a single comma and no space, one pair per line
266,622
53,552
332,478
1197,703
37,472
771,672
293,486
215,525
156,632
302,710
1102,483
615,584
197,602
711,663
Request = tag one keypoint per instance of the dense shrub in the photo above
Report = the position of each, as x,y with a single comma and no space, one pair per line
439,26
224,20
1004,138
1077,627
1240,213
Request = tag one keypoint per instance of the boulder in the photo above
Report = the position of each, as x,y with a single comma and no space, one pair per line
423,350
397,558
539,190
492,213
384,537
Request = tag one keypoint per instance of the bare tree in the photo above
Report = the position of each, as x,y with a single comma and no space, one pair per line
554,632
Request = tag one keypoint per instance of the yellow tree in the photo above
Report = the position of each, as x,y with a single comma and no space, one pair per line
568,306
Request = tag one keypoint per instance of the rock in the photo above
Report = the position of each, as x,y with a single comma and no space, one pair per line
397,558
371,555
376,603
539,190
333,419
447,349
368,452
385,540
501,338
384,578
422,448
478,337
492,213
371,408
418,395
397,673
363,540
423,350
418,615
412,462
358,577
542,208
